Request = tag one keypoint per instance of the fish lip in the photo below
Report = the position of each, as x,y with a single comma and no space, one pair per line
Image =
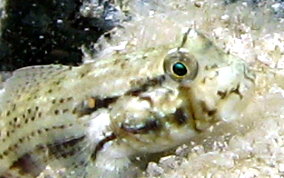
149,125
101,144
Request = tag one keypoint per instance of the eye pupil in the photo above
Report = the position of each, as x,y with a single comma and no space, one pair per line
179,69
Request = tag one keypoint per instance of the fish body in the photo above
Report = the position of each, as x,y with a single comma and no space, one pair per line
90,120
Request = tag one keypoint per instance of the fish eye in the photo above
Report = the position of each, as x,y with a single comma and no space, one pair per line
179,69
181,66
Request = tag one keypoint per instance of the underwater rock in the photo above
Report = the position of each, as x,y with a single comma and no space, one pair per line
43,32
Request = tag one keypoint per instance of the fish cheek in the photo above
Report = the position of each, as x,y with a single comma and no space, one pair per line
132,118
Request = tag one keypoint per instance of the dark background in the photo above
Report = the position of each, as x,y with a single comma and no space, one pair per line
47,31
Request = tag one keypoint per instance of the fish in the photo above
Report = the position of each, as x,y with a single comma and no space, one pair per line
93,120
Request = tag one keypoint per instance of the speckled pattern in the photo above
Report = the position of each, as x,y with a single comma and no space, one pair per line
92,119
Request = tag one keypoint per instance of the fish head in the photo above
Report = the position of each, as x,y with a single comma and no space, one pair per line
195,85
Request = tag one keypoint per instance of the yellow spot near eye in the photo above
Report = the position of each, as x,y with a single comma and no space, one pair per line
91,102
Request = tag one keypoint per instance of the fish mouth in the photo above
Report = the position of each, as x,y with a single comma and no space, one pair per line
181,117
101,144
143,128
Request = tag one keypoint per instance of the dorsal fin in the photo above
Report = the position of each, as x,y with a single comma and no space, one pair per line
25,78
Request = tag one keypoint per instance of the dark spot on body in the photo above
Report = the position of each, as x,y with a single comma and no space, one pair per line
210,112
180,116
5,153
62,127
65,110
27,165
8,113
105,102
69,98
15,146
82,75
56,112
203,81
13,107
137,90
57,82
210,67
33,134
69,143
74,111
67,148
222,94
